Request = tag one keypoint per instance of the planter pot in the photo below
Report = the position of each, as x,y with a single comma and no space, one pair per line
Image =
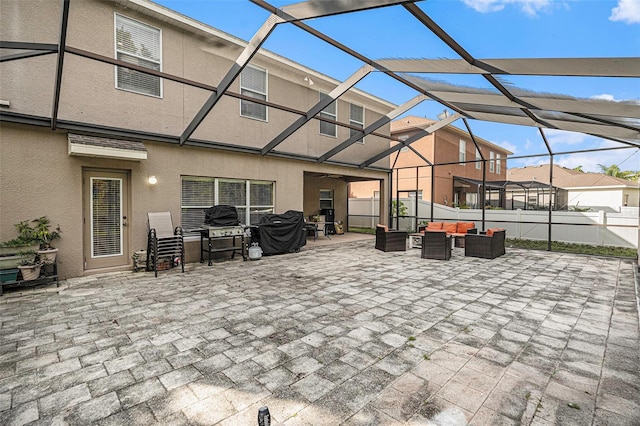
8,275
48,256
30,272
7,262
10,251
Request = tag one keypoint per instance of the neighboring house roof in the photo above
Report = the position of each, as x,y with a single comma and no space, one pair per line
412,123
568,178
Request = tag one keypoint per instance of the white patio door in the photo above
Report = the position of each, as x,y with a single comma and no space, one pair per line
105,219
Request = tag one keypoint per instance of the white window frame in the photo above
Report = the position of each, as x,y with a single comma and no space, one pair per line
118,16
498,167
462,151
356,123
492,165
329,115
251,90
478,159
215,182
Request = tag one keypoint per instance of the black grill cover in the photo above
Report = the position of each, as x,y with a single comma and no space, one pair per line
282,233
221,215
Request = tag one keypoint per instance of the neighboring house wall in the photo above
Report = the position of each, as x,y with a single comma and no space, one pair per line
441,147
39,177
585,190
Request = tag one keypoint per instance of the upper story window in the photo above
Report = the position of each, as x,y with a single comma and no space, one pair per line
253,83
492,161
356,119
330,112
138,44
478,159
498,164
462,157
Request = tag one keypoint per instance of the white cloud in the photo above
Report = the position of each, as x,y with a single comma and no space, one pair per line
561,137
530,7
605,97
627,11
508,146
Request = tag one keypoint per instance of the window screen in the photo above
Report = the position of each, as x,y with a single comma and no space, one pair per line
330,112
253,83
139,44
252,199
356,118
463,151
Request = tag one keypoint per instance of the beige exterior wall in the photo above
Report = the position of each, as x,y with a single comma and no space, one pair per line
88,91
38,176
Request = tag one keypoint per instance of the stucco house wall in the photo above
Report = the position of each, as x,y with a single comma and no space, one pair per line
38,176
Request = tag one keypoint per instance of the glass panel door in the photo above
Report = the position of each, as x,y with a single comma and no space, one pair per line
105,219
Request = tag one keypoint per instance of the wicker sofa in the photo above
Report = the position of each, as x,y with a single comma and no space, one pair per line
487,245
458,230
390,240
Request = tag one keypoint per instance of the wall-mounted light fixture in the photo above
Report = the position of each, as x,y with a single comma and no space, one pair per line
308,81
153,180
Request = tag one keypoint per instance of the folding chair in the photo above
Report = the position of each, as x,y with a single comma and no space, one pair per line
164,241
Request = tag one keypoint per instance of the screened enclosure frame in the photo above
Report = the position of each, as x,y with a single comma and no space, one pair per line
614,121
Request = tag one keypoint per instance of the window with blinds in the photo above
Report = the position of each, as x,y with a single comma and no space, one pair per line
253,83
252,199
491,161
138,44
478,160
356,119
106,211
326,199
462,151
330,112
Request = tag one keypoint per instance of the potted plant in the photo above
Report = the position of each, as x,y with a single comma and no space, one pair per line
43,233
29,267
25,241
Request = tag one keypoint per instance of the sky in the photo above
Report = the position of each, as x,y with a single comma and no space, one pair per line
487,29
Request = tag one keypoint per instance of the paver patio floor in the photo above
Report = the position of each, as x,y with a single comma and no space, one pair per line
335,334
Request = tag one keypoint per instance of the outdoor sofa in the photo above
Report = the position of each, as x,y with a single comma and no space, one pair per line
458,230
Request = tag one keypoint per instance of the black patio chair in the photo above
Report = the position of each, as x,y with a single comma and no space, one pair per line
390,239
165,243
436,245
488,245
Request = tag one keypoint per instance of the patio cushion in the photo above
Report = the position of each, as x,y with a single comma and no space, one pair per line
450,227
384,227
434,225
463,227
490,231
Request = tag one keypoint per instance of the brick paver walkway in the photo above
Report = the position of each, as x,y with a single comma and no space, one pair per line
336,334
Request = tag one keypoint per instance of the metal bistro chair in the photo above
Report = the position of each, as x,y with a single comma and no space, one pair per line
164,241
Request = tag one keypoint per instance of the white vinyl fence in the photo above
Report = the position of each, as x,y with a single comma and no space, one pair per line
594,228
